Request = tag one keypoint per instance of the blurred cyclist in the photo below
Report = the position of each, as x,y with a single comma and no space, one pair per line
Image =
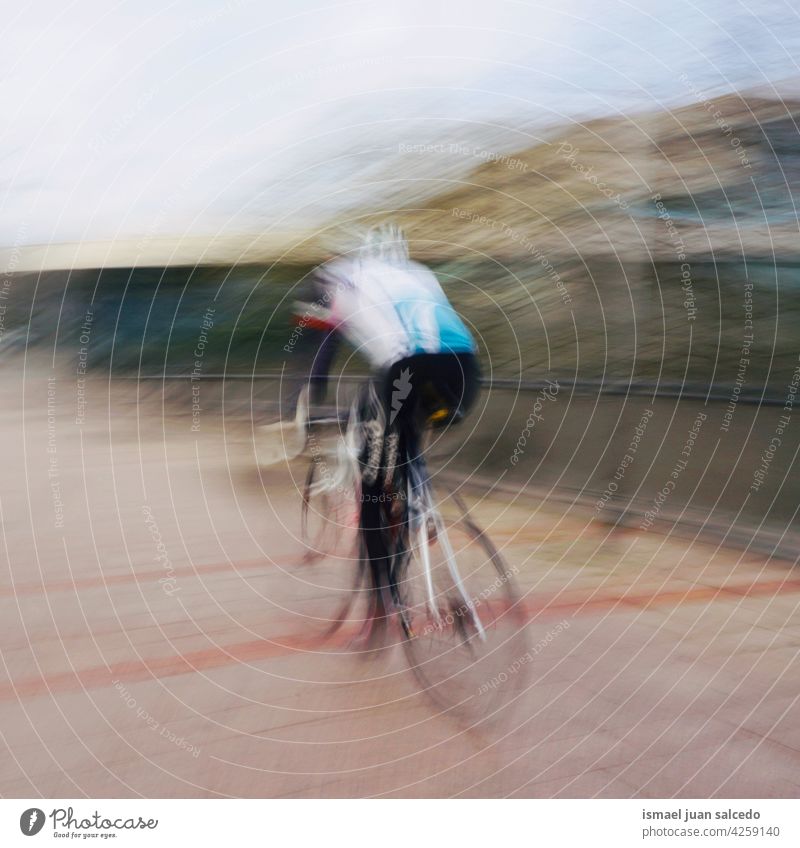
393,311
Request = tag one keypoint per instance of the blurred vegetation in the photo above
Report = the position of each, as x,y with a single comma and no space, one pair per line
623,322
554,275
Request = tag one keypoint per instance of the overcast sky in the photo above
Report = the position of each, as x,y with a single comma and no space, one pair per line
143,118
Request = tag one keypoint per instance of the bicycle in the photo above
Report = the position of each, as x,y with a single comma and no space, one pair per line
449,588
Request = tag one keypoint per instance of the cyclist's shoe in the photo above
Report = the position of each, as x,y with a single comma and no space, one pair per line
371,638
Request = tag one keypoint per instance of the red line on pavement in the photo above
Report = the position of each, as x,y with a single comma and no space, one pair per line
262,649
170,666
101,580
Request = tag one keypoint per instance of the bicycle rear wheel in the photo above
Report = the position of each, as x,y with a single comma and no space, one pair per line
332,574
329,517
467,647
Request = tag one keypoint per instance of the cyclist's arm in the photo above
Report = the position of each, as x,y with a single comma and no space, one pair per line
321,366
318,331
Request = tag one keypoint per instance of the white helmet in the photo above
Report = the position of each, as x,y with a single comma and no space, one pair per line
387,242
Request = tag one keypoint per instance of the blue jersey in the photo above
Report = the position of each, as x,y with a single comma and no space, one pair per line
391,310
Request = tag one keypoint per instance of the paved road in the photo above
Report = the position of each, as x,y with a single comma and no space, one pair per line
157,638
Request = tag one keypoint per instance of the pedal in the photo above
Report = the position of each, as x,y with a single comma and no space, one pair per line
433,533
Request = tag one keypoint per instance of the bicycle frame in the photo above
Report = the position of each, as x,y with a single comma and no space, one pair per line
422,511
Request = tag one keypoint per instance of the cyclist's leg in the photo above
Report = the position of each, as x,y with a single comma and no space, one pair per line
375,552
403,399
436,389
396,438
374,545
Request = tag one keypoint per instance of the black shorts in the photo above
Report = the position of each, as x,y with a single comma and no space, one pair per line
429,389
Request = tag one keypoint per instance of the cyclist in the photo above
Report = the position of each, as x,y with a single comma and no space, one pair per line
393,311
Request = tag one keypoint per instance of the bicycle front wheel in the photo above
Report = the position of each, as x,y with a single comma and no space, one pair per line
463,622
